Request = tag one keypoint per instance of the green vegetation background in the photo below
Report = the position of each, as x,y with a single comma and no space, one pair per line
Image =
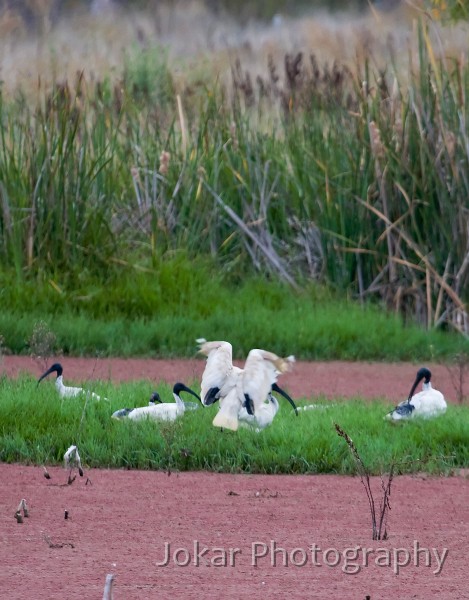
317,216
313,210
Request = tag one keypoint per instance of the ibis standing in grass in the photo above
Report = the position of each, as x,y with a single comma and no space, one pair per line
251,398
427,403
220,375
166,411
265,413
155,398
65,391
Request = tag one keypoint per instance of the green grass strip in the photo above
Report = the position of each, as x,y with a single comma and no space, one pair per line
36,427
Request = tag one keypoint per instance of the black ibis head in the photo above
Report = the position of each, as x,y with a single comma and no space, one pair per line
56,367
422,373
404,410
180,387
155,398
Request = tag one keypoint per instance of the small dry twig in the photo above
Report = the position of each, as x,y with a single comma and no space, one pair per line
458,373
108,587
42,343
22,506
72,460
266,493
379,531
58,545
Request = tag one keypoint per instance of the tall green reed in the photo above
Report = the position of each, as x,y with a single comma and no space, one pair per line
358,179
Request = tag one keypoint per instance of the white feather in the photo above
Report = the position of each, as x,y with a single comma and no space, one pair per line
167,411
255,380
260,373
72,458
263,416
227,416
219,370
66,391
425,404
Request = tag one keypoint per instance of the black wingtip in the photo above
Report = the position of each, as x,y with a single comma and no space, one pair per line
211,396
405,410
248,404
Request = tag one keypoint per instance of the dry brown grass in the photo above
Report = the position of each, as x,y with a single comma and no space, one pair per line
201,46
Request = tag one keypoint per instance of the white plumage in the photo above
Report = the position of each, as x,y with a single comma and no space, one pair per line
155,399
316,406
259,375
427,404
72,460
168,411
230,405
65,391
250,397
220,375
263,417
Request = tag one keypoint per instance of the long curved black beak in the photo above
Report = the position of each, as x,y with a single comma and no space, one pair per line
54,368
180,387
276,388
422,373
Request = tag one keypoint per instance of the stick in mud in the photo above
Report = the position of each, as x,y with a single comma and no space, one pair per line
379,532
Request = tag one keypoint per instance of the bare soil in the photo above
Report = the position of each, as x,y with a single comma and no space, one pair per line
121,521
307,380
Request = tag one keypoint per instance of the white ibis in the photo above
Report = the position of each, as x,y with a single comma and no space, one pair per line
264,414
155,398
427,403
65,391
251,396
166,411
220,375
260,374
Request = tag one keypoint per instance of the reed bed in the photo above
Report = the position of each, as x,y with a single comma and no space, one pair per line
312,172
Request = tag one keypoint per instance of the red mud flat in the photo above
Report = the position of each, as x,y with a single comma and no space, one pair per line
308,379
121,522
